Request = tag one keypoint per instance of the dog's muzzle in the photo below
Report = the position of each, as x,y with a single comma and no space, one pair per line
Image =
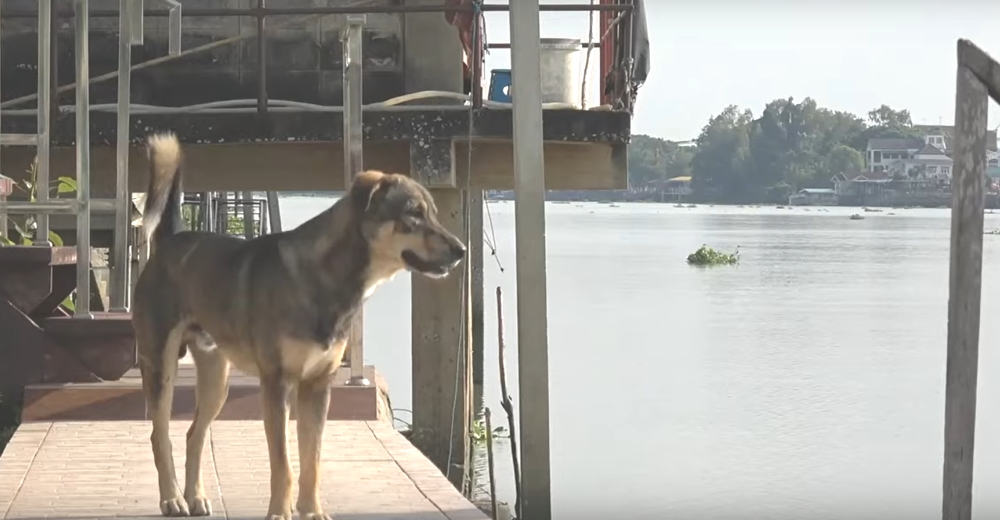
436,268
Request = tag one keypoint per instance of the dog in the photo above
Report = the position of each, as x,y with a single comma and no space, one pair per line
278,307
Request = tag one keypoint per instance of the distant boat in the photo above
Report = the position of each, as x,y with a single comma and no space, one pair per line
857,217
613,205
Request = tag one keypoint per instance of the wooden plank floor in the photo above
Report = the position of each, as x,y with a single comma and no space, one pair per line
91,470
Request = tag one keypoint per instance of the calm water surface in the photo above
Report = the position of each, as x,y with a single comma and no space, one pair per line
807,382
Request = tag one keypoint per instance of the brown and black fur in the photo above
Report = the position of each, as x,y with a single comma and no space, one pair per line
278,307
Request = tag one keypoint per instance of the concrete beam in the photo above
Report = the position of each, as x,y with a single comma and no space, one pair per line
319,166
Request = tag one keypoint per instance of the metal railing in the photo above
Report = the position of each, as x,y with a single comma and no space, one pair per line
82,205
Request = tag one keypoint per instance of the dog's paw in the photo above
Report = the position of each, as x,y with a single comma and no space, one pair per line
286,516
315,516
200,506
174,507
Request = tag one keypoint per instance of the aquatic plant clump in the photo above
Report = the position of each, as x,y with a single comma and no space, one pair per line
706,256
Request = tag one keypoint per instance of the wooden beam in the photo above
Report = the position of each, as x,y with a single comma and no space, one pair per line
965,286
982,66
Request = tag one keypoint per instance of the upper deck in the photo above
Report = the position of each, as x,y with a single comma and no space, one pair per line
283,93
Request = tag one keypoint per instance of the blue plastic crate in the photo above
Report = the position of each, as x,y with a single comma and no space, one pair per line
500,85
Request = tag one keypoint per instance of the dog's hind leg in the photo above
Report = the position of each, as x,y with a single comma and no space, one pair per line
211,391
159,372
274,392
312,407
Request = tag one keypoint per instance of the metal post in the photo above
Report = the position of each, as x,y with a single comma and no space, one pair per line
3,183
353,162
82,160
246,200
965,288
174,22
207,215
44,116
273,212
529,217
137,19
123,197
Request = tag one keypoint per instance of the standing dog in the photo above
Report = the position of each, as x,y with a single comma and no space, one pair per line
278,307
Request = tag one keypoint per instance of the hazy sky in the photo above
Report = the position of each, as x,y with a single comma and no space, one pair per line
849,55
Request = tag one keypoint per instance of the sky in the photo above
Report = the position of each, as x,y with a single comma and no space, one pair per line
849,55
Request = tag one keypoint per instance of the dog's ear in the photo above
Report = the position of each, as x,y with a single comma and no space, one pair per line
365,187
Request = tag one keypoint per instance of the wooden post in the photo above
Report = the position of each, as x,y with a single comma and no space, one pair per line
475,260
529,214
965,283
441,354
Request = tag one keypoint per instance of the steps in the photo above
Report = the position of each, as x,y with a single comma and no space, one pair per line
41,343
122,400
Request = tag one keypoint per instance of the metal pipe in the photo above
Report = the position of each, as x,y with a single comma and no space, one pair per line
354,161
137,18
119,283
261,62
18,139
82,161
56,207
370,9
207,216
174,39
246,200
5,186
43,116
273,212
529,219
3,190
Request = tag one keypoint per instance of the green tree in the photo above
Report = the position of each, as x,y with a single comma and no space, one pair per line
721,164
887,117
651,158
842,159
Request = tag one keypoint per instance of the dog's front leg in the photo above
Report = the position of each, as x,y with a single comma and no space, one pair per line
312,406
274,396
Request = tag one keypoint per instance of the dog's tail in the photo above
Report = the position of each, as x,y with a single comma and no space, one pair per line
162,218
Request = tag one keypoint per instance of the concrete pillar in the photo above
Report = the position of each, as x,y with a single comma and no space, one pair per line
441,336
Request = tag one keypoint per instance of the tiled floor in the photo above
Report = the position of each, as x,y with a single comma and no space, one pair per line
95,470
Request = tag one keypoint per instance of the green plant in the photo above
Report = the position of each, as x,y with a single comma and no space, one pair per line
191,214
27,229
478,432
706,256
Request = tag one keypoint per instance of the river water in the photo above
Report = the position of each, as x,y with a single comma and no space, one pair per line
806,382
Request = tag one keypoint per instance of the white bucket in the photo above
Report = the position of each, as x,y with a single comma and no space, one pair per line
560,61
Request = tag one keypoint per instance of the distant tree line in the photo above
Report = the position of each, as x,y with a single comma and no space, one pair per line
738,158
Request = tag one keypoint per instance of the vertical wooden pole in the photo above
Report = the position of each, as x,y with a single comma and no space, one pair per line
529,213
965,288
475,260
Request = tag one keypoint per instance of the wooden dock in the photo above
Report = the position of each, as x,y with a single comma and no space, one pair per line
91,470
